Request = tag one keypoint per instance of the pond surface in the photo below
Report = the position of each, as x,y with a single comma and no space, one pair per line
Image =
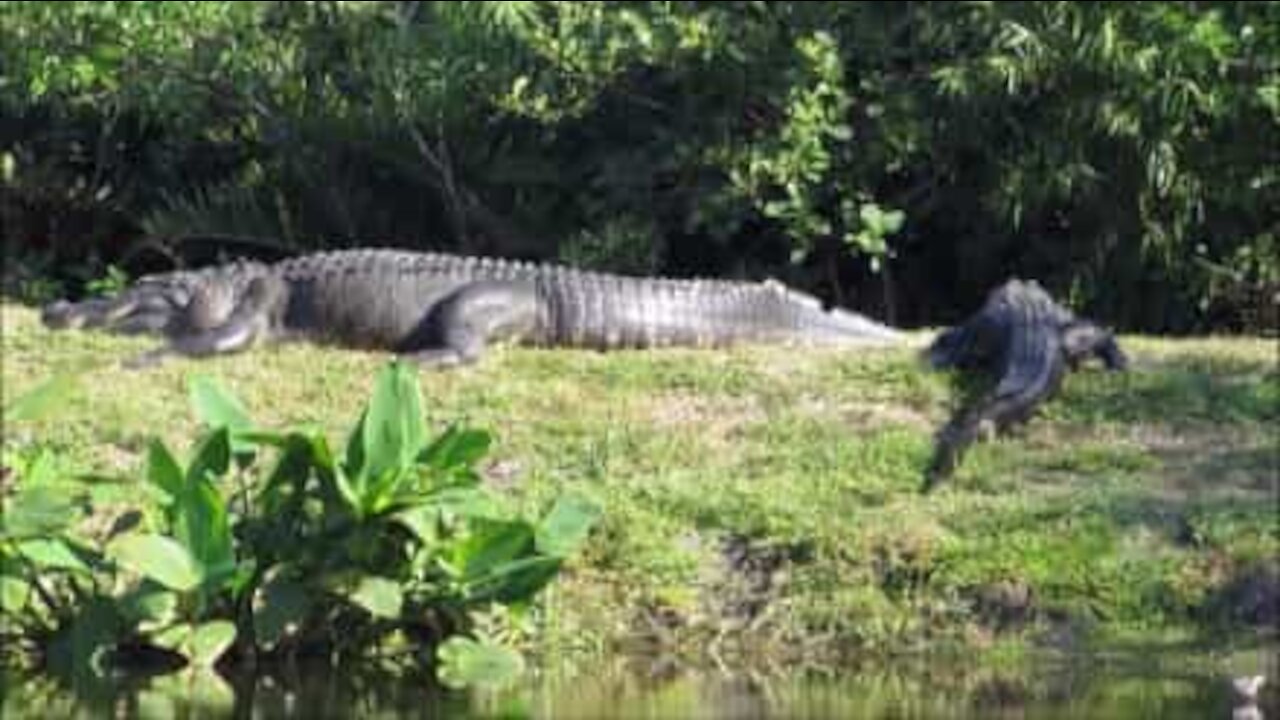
1081,687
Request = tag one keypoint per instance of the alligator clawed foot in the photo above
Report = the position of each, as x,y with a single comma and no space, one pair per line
148,359
440,359
987,431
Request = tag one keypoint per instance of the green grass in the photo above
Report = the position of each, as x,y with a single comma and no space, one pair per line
1127,506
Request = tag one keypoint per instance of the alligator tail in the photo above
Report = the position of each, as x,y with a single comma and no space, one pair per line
841,325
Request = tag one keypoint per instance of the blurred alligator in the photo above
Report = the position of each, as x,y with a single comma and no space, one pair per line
1025,342
444,310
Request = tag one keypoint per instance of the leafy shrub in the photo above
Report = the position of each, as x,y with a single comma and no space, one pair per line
1110,150
225,557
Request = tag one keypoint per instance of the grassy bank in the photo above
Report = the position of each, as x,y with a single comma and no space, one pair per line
766,499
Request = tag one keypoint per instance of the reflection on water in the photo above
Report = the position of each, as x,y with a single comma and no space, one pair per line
1084,688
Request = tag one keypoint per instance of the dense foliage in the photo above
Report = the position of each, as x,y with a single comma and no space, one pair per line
897,157
387,549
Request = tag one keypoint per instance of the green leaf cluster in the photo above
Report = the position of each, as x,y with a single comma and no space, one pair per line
265,543
1099,147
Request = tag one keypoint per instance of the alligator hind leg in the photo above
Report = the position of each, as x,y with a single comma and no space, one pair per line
987,415
457,332
210,330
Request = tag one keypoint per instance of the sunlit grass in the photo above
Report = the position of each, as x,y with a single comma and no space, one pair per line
1130,502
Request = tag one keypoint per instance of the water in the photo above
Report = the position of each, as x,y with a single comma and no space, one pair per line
1082,687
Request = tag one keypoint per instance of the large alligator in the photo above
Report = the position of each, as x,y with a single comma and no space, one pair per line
1025,342
444,310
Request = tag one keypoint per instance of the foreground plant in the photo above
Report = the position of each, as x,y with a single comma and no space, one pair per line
269,543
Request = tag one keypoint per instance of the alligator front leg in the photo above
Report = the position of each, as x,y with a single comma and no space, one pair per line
461,327
202,335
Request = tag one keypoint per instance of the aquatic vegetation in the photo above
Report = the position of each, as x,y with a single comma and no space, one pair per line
265,543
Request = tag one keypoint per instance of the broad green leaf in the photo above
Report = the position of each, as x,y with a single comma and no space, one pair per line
42,399
393,431
123,490
212,457
201,525
880,223
456,448
380,491
380,596
152,703
421,520
41,469
493,543
38,510
158,558
892,221
321,454
150,605
775,208
238,577
163,471
353,461
424,517
464,663
466,502
513,582
280,609
348,492
271,438
215,407
173,638
51,554
285,486
14,594
567,526
202,644
218,409
209,641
